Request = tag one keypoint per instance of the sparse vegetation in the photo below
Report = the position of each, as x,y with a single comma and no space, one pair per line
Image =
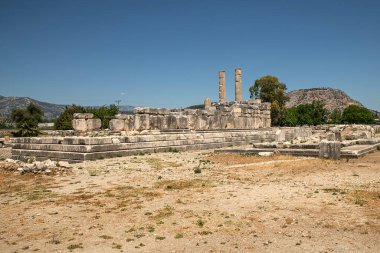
27,120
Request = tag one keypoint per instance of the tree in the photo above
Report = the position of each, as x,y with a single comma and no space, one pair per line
306,114
335,117
270,89
354,114
64,120
105,113
318,112
27,120
291,117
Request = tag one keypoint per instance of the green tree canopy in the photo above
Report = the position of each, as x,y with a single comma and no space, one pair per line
354,114
335,117
27,120
105,113
306,114
270,89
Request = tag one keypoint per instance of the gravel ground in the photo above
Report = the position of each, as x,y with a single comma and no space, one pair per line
195,202
5,153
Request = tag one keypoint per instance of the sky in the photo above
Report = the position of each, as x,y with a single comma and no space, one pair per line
168,53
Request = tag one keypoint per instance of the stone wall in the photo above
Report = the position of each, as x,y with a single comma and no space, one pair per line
250,114
82,148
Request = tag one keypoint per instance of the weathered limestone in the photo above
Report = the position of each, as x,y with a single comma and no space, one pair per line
83,115
79,125
117,125
93,124
330,149
207,104
84,122
76,149
238,86
222,87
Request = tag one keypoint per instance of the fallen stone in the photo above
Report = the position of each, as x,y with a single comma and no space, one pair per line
267,154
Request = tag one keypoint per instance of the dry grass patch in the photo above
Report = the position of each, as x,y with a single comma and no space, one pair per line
157,163
183,184
163,213
124,192
297,166
30,186
363,197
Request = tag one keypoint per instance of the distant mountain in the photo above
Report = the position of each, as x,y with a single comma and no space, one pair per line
50,110
332,98
8,103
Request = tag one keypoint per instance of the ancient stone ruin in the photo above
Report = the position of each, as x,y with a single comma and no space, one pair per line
220,124
239,114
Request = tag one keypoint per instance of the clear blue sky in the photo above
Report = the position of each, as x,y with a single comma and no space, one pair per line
168,53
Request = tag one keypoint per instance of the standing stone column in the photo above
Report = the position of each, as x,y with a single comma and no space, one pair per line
238,91
222,86
207,103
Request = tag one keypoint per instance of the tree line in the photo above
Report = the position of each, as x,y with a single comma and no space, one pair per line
267,88
270,89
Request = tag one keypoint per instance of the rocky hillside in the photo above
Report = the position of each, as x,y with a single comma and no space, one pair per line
332,98
50,110
8,103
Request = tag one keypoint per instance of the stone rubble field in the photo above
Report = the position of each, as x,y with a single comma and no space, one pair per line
197,201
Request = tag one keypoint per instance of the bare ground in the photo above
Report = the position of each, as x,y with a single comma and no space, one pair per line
157,203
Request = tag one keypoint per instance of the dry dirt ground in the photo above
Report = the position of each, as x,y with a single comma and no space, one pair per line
157,203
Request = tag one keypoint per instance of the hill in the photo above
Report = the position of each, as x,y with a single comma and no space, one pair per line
50,110
8,103
332,98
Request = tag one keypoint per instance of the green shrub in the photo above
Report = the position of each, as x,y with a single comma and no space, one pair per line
105,113
27,120
64,120
335,117
354,114
306,114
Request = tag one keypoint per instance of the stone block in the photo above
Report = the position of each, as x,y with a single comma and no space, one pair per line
330,136
140,110
207,103
79,125
330,149
171,122
129,123
93,124
163,111
121,116
144,122
117,125
280,135
83,115
183,122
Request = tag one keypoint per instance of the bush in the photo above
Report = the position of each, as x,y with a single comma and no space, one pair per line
306,114
105,113
63,121
354,114
335,117
291,117
27,120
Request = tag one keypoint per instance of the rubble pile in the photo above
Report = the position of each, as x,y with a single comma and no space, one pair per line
35,167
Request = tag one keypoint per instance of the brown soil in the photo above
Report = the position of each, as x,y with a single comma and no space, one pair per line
157,203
